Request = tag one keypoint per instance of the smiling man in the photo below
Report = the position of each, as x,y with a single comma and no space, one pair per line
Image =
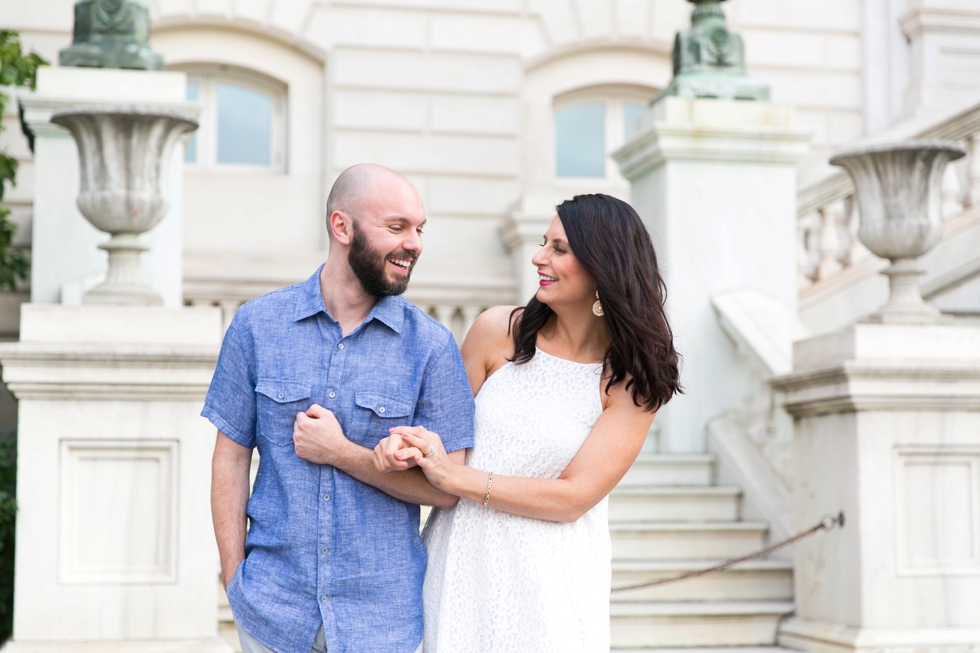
326,554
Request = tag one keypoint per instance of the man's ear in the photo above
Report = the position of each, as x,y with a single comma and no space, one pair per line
340,227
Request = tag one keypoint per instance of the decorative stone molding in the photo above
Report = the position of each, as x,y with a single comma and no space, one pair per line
123,153
712,130
899,191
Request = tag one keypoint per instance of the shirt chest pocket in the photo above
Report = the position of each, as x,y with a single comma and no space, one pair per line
277,403
376,413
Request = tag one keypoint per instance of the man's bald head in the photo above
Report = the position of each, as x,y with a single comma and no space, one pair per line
358,182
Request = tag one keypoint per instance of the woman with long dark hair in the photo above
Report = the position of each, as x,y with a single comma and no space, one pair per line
566,388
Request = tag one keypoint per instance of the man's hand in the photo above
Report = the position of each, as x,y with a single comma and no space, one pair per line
318,438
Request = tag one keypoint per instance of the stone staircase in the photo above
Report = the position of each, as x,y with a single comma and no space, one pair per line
665,518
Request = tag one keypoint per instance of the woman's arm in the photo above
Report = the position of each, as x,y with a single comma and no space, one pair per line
603,460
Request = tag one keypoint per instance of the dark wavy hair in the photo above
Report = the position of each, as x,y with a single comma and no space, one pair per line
612,244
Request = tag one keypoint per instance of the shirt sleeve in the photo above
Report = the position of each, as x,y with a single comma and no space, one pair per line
445,403
230,402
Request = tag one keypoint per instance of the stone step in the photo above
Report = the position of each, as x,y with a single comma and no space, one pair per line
708,649
646,540
674,503
670,469
755,580
696,623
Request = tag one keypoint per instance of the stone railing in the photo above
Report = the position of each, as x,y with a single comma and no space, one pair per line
455,304
827,215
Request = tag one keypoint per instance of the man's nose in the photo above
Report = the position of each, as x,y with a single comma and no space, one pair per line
413,242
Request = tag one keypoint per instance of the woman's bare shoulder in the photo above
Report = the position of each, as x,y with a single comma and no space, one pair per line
491,331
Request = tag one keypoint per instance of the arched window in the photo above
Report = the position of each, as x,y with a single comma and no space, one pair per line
242,121
591,123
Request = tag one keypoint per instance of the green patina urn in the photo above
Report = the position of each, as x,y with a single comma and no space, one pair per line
709,60
111,34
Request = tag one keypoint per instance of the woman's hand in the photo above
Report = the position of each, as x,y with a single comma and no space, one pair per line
393,454
428,453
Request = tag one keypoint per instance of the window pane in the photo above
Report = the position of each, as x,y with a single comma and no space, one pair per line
580,144
190,152
631,113
244,126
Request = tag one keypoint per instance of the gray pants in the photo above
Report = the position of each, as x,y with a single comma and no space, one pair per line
252,645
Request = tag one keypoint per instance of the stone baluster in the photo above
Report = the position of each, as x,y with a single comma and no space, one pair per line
445,313
469,313
952,192
971,181
809,250
828,241
228,309
845,231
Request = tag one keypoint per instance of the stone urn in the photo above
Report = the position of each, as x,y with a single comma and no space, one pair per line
124,153
899,193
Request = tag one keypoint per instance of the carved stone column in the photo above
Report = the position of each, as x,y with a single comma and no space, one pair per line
899,190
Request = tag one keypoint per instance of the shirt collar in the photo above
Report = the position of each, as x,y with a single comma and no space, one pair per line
389,310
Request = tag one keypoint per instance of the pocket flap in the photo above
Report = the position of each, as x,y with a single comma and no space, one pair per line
382,405
283,392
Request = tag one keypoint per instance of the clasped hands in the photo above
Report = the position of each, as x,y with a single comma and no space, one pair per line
319,438
414,446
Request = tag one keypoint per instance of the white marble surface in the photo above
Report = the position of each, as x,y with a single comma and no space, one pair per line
114,540
887,431
714,181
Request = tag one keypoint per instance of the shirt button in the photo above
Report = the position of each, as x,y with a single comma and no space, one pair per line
325,550
326,497
332,394
323,599
281,395
340,346
382,410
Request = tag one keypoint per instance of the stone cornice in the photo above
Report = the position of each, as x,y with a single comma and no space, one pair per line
881,386
662,141
939,19
58,371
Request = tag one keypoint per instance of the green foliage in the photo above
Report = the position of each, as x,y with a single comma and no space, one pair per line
8,516
16,69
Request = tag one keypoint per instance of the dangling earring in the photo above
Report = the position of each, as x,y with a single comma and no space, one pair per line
597,307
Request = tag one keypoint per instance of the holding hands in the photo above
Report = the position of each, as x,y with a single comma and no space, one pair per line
415,446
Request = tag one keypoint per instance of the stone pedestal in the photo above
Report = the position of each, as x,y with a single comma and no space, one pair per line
115,550
887,429
65,259
715,182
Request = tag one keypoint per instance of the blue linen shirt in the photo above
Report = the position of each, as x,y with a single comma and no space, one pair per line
323,547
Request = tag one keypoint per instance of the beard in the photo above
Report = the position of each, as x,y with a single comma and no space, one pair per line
369,266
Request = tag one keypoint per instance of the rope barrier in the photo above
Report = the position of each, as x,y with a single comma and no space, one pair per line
828,523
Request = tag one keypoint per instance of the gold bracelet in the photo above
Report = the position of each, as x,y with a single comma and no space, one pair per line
486,499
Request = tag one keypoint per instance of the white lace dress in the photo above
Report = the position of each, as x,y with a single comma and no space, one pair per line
500,583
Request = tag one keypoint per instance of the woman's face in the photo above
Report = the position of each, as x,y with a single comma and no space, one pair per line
561,278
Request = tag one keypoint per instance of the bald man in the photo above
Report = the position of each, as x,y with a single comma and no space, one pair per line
326,554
